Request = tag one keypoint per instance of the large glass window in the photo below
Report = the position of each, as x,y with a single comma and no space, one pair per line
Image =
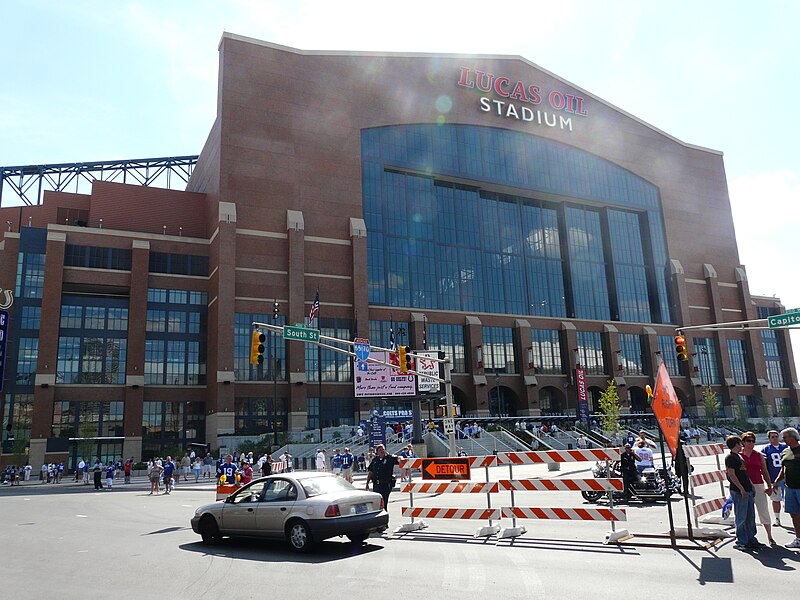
17,417
88,419
450,340
335,366
30,275
175,343
773,355
546,350
737,350
666,347
632,359
590,352
27,356
97,258
169,427
434,243
335,412
706,358
257,416
498,350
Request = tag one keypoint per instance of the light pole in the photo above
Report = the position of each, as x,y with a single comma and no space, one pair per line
274,358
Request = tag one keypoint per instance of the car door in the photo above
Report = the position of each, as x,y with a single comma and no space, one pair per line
239,510
277,501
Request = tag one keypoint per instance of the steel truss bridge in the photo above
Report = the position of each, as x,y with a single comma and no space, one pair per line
27,184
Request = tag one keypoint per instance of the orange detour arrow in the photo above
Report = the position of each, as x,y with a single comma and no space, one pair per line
445,468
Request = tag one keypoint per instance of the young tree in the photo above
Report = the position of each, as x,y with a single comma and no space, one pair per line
711,405
609,404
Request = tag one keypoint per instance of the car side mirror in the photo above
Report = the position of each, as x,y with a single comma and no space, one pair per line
229,500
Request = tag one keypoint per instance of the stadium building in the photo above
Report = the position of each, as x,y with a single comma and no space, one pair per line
473,204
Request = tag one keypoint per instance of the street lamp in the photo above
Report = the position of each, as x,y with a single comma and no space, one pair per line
274,360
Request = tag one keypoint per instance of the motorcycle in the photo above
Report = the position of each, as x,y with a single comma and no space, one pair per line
648,487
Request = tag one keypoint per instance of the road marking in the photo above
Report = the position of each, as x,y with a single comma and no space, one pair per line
82,516
186,505
80,551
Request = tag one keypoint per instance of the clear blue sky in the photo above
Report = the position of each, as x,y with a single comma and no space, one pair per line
91,80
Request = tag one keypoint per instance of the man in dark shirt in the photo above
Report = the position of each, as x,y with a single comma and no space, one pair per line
742,496
169,471
381,473
790,472
627,465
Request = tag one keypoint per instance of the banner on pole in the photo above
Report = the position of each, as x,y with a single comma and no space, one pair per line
583,395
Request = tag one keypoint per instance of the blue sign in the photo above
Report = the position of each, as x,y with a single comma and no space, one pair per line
377,431
3,338
361,349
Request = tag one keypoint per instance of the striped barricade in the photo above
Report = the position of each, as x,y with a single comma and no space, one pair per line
474,461
561,485
450,488
704,450
697,480
557,456
564,514
480,514
278,467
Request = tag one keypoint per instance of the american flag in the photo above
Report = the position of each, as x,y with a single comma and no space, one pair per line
424,335
314,309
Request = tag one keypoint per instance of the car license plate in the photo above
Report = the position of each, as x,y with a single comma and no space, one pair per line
361,508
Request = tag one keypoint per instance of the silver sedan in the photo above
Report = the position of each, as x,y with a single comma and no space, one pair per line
301,507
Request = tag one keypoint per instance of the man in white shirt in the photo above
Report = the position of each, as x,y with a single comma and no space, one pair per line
320,459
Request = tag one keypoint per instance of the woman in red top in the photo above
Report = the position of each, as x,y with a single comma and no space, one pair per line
757,470
247,473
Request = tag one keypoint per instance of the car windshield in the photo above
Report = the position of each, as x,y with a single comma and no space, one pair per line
314,486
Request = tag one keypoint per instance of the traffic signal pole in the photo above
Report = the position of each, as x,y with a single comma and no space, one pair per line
448,386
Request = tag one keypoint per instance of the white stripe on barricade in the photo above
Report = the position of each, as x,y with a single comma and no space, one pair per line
474,461
565,514
482,514
278,467
557,456
705,478
704,450
708,506
562,485
450,488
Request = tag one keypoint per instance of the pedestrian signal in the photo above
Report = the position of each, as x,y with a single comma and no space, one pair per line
257,347
680,348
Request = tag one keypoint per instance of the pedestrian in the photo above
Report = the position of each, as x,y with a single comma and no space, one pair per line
186,466
742,495
362,463
759,476
336,462
98,474
247,472
86,473
79,471
790,474
644,455
154,474
320,460
208,460
229,470
381,473
169,472
405,473
197,468
43,473
110,471
127,468
627,466
772,453
286,458
582,442
347,465
266,465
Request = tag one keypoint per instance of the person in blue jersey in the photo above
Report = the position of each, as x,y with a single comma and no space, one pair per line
169,471
110,470
772,452
336,462
348,461
229,469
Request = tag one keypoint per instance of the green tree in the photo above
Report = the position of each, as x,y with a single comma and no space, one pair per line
609,404
742,412
711,405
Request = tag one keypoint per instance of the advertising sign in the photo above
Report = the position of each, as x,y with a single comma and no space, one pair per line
3,337
426,366
383,381
583,395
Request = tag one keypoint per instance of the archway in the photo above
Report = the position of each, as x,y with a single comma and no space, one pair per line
551,401
594,398
502,402
638,399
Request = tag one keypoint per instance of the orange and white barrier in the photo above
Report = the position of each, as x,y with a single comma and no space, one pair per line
706,478
557,456
278,467
565,514
704,450
225,490
474,461
450,488
482,514
562,485
709,506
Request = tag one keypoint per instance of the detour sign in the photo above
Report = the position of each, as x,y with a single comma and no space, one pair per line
445,468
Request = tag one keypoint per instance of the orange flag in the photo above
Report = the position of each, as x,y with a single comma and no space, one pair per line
667,408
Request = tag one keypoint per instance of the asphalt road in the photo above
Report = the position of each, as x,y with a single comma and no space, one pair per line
68,541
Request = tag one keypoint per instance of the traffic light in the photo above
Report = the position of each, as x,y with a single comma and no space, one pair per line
257,347
680,348
406,364
275,311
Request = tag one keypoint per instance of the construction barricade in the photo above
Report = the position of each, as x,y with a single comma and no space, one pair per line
514,512
696,480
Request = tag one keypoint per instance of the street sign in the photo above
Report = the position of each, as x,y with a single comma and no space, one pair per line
790,317
445,468
449,426
301,334
361,349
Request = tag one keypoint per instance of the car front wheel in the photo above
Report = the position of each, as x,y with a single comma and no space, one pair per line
209,530
299,536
